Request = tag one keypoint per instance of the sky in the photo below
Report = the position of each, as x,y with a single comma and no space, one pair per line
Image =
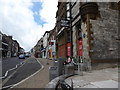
27,20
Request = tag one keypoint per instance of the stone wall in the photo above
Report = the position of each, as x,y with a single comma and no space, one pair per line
85,41
105,32
74,42
75,12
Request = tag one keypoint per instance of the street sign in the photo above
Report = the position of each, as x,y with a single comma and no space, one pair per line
64,23
84,35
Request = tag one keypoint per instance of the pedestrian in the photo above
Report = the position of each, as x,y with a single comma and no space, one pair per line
67,61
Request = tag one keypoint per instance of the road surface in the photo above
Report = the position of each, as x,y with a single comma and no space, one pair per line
25,68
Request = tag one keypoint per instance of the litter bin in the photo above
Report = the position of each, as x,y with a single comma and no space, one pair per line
53,72
69,69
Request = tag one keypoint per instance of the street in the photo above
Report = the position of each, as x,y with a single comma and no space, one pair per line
74,45
17,70
9,63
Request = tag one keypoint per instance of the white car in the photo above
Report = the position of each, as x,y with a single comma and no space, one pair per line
21,56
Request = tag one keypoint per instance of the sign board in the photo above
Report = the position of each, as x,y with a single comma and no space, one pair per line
53,72
65,23
84,35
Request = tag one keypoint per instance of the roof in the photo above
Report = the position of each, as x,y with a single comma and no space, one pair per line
46,32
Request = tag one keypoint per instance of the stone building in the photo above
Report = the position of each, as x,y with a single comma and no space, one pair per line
9,40
15,48
63,33
95,24
45,44
4,45
10,47
103,40
41,46
21,50
38,48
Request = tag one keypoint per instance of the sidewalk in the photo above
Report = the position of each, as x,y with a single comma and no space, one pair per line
105,78
40,79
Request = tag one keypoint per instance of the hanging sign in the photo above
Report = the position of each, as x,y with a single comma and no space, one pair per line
65,23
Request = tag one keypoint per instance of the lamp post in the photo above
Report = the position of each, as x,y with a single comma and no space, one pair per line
71,29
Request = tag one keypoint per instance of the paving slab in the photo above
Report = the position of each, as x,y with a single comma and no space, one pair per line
106,84
105,78
90,86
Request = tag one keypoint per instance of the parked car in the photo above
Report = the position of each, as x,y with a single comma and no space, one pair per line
27,55
22,56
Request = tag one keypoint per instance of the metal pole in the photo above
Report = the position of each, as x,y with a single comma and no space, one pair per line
80,66
71,29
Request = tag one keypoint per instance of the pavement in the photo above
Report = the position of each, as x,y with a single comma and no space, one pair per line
104,78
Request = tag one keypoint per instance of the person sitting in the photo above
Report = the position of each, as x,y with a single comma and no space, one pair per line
67,61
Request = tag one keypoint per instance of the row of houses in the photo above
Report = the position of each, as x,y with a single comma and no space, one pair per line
9,47
46,46
87,30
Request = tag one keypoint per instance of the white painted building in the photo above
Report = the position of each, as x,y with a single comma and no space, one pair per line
45,45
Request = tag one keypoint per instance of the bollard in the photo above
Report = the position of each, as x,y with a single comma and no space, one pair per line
80,66
81,69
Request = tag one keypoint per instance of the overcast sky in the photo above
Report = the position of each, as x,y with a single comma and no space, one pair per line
27,20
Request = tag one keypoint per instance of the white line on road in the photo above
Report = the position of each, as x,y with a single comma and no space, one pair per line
3,83
6,87
29,76
6,73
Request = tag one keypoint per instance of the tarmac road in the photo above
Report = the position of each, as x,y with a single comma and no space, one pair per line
29,67
9,63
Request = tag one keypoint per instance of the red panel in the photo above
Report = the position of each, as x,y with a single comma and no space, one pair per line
68,49
80,47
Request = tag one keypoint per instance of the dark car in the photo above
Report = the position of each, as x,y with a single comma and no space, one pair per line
22,56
